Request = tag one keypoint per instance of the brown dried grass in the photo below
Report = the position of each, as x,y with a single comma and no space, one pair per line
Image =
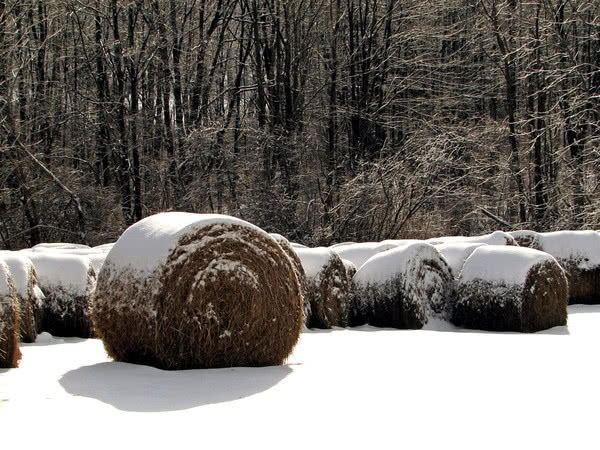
584,284
329,295
526,238
540,304
300,274
170,320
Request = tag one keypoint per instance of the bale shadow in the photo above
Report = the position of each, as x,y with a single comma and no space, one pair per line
583,309
136,388
46,339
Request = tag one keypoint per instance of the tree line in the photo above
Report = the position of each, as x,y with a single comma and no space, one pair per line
323,120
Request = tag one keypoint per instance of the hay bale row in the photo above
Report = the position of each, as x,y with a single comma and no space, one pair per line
403,288
29,294
183,291
510,289
495,238
9,320
67,282
328,288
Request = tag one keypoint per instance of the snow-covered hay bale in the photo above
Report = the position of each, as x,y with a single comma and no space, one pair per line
511,289
328,287
495,238
456,253
67,282
403,288
183,291
578,252
351,268
359,253
28,292
527,238
9,320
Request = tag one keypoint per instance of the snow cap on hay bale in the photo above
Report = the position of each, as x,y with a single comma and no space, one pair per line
298,269
9,320
495,238
45,246
183,291
403,288
456,253
527,238
358,254
578,252
67,282
28,292
328,287
511,289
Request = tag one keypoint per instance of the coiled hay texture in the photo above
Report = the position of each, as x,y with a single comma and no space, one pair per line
527,238
403,288
29,295
9,320
328,288
185,291
578,252
298,269
511,289
495,238
67,282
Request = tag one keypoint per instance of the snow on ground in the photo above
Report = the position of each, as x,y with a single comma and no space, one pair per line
440,388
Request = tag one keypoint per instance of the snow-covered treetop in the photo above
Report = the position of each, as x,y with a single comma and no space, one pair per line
314,260
146,245
55,269
19,266
580,247
456,253
507,265
495,238
385,266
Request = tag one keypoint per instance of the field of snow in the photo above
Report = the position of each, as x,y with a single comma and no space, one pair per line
437,388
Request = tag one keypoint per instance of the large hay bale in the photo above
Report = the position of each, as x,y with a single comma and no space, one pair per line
403,288
527,238
578,252
511,289
67,282
495,238
456,253
183,291
328,287
9,321
28,292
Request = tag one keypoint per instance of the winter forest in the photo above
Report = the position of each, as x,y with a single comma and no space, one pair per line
323,120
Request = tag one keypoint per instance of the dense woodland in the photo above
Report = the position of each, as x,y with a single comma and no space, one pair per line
322,120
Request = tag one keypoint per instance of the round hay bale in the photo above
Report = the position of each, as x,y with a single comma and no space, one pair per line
328,287
511,289
403,288
578,252
29,295
298,269
10,353
456,253
527,238
67,282
495,238
184,291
